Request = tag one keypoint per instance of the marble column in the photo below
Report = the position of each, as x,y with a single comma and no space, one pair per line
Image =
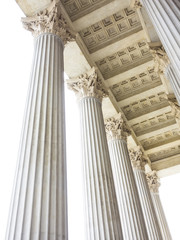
138,162
39,203
153,182
164,15
163,66
132,221
102,215
175,82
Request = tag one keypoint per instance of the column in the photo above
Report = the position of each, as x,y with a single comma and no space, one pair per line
102,215
175,83
138,162
163,66
39,203
164,15
153,182
133,225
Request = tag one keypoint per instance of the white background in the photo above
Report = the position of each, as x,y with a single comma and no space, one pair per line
16,49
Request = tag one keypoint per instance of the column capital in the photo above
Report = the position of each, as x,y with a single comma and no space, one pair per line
159,54
116,128
136,4
153,181
138,159
50,20
88,85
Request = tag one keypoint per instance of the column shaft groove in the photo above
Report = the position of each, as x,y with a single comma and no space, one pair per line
132,221
149,213
103,222
39,205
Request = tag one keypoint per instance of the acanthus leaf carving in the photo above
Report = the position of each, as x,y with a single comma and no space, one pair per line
136,4
88,85
116,128
175,108
137,157
161,59
153,181
50,20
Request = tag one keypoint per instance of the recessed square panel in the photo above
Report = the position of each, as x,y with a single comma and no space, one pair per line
112,31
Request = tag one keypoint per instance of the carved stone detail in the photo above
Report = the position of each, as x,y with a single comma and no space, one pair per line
153,181
145,105
160,139
136,84
88,85
78,8
136,4
168,152
50,20
157,122
175,108
111,29
124,59
161,59
137,157
116,128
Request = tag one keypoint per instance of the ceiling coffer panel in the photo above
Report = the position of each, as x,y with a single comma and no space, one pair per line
111,29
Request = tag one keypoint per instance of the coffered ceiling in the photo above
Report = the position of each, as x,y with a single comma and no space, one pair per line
113,37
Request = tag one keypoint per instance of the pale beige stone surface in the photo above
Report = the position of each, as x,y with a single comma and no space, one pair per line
114,36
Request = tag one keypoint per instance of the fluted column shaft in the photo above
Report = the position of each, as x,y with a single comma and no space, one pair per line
164,15
103,222
102,215
154,183
133,225
148,209
175,82
161,217
39,205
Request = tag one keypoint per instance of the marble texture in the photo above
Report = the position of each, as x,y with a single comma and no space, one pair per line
154,184
132,221
164,15
102,215
39,204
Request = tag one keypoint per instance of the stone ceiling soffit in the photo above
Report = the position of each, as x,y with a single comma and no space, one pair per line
159,129
145,105
142,95
161,139
154,123
111,29
167,167
163,147
149,115
124,59
164,154
137,84
128,74
120,44
78,8
100,13
31,7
